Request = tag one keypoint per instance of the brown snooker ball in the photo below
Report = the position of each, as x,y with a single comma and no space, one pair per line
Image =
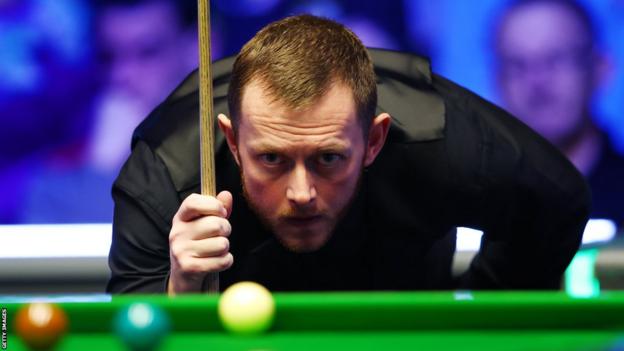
41,325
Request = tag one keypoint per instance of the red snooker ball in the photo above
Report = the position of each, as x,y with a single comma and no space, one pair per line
41,325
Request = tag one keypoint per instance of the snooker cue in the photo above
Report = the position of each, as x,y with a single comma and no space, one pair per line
206,124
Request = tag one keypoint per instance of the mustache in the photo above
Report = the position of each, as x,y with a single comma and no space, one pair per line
300,213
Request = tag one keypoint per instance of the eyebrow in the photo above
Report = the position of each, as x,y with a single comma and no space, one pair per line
331,145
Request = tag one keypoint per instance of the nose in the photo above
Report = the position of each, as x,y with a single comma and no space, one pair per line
301,190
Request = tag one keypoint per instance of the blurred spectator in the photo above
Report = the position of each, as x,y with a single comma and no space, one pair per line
548,69
362,24
44,61
145,48
372,35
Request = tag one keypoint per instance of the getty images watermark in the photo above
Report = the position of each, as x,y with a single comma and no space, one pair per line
4,328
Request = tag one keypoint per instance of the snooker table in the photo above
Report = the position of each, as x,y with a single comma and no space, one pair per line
461,320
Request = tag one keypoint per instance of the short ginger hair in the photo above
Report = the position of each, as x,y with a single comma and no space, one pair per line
298,59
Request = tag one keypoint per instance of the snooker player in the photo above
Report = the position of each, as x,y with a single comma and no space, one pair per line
340,168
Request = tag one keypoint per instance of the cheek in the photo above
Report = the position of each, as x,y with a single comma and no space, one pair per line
575,88
258,184
266,195
337,191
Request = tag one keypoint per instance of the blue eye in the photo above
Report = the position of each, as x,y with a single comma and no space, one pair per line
330,159
271,159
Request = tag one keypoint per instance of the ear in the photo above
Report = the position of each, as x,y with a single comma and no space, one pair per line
377,134
225,124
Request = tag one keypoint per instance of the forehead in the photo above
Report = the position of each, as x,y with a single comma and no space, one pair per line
541,26
334,111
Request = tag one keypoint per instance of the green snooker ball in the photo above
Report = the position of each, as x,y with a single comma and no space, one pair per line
246,308
141,326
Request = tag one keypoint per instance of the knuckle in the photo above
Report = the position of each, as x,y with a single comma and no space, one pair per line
223,263
223,245
201,203
229,259
177,233
226,227
191,202
192,198
189,266
178,218
175,242
221,227
176,249
174,234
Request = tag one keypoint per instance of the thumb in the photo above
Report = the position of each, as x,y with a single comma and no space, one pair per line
226,199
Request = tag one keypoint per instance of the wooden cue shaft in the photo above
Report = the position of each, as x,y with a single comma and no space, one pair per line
206,123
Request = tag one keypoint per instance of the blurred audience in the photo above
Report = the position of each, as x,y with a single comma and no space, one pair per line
549,66
67,118
44,59
362,24
144,49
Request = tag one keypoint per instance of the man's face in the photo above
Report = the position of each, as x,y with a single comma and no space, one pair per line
143,47
545,72
300,169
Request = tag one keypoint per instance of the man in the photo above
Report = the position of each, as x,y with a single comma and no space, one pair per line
549,67
322,187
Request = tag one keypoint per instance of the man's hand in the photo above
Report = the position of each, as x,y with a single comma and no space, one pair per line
198,241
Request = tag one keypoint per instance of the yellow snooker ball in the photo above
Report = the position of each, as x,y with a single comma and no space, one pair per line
246,308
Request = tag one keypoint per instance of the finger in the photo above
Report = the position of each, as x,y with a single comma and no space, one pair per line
196,205
194,265
208,227
227,200
210,247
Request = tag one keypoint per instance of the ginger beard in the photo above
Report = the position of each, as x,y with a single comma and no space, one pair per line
296,236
